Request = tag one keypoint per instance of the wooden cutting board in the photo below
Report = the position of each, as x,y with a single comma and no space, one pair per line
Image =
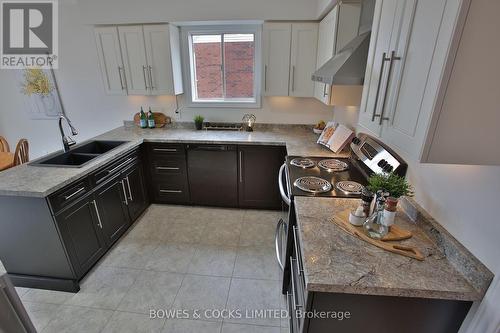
160,119
408,251
395,234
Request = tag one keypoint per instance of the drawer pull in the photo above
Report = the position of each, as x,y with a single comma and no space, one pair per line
80,190
295,240
120,166
170,191
167,168
169,150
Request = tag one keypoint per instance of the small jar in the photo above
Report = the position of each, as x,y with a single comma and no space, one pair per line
390,208
366,201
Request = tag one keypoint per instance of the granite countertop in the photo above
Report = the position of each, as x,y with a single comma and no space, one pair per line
335,261
37,181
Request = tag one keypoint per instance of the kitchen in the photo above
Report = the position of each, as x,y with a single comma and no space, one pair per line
165,240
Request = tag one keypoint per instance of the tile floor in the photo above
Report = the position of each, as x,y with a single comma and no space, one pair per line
174,257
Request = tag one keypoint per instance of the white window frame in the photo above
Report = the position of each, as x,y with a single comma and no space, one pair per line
189,75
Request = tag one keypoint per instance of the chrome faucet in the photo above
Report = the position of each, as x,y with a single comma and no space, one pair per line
66,140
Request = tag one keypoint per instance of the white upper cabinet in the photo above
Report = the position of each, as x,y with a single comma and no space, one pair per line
110,60
164,66
377,68
140,59
134,59
336,30
289,58
423,79
326,50
276,48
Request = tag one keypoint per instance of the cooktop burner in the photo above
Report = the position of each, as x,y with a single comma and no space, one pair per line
333,165
349,187
302,162
313,184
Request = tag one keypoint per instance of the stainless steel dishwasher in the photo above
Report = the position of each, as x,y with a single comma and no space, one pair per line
213,174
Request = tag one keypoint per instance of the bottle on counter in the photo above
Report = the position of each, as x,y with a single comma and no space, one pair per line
151,119
374,225
366,202
143,119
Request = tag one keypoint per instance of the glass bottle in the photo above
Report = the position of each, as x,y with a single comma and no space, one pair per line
374,226
143,119
151,119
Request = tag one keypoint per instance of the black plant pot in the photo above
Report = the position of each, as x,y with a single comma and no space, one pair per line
199,125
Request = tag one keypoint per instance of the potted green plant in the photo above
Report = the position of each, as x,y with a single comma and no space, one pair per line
198,122
397,186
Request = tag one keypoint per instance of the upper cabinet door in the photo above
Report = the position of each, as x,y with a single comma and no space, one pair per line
276,48
110,60
134,59
303,59
159,58
377,66
326,50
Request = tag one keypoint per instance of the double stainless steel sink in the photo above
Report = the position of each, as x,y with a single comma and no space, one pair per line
78,156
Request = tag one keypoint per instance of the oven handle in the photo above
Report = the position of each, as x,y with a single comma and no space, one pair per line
284,196
278,243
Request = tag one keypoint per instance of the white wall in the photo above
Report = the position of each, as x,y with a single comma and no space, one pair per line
80,82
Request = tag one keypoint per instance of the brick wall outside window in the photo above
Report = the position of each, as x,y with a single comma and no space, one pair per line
239,63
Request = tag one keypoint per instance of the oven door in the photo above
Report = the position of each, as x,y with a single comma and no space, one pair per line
282,226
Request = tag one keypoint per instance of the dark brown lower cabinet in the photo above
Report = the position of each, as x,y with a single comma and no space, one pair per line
136,192
258,176
111,200
81,232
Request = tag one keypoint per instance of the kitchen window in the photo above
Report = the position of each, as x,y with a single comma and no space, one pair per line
223,65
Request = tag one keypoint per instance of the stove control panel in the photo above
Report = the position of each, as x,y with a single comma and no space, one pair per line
376,157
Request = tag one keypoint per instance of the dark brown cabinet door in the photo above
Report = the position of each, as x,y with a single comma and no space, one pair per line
136,193
258,176
112,201
81,233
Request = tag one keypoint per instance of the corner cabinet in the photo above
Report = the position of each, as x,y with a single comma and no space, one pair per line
289,58
412,52
140,59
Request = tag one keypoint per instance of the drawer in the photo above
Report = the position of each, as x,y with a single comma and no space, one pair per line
173,165
162,149
113,168
69,194
170,191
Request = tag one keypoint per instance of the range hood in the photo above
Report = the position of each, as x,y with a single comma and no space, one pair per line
348,66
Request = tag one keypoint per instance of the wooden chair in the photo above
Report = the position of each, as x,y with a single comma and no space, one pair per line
4,145
21,155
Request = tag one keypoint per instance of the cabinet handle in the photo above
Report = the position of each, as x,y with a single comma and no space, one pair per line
120,75
265,77
144,74
120,166
99,223
293,78
80,190
299,266
324,91
170,191
241,166
382,65
167,168
129,191
151,77
391,63
294,296
170,150
124,192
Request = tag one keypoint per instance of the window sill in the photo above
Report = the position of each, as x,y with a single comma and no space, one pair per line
233,105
